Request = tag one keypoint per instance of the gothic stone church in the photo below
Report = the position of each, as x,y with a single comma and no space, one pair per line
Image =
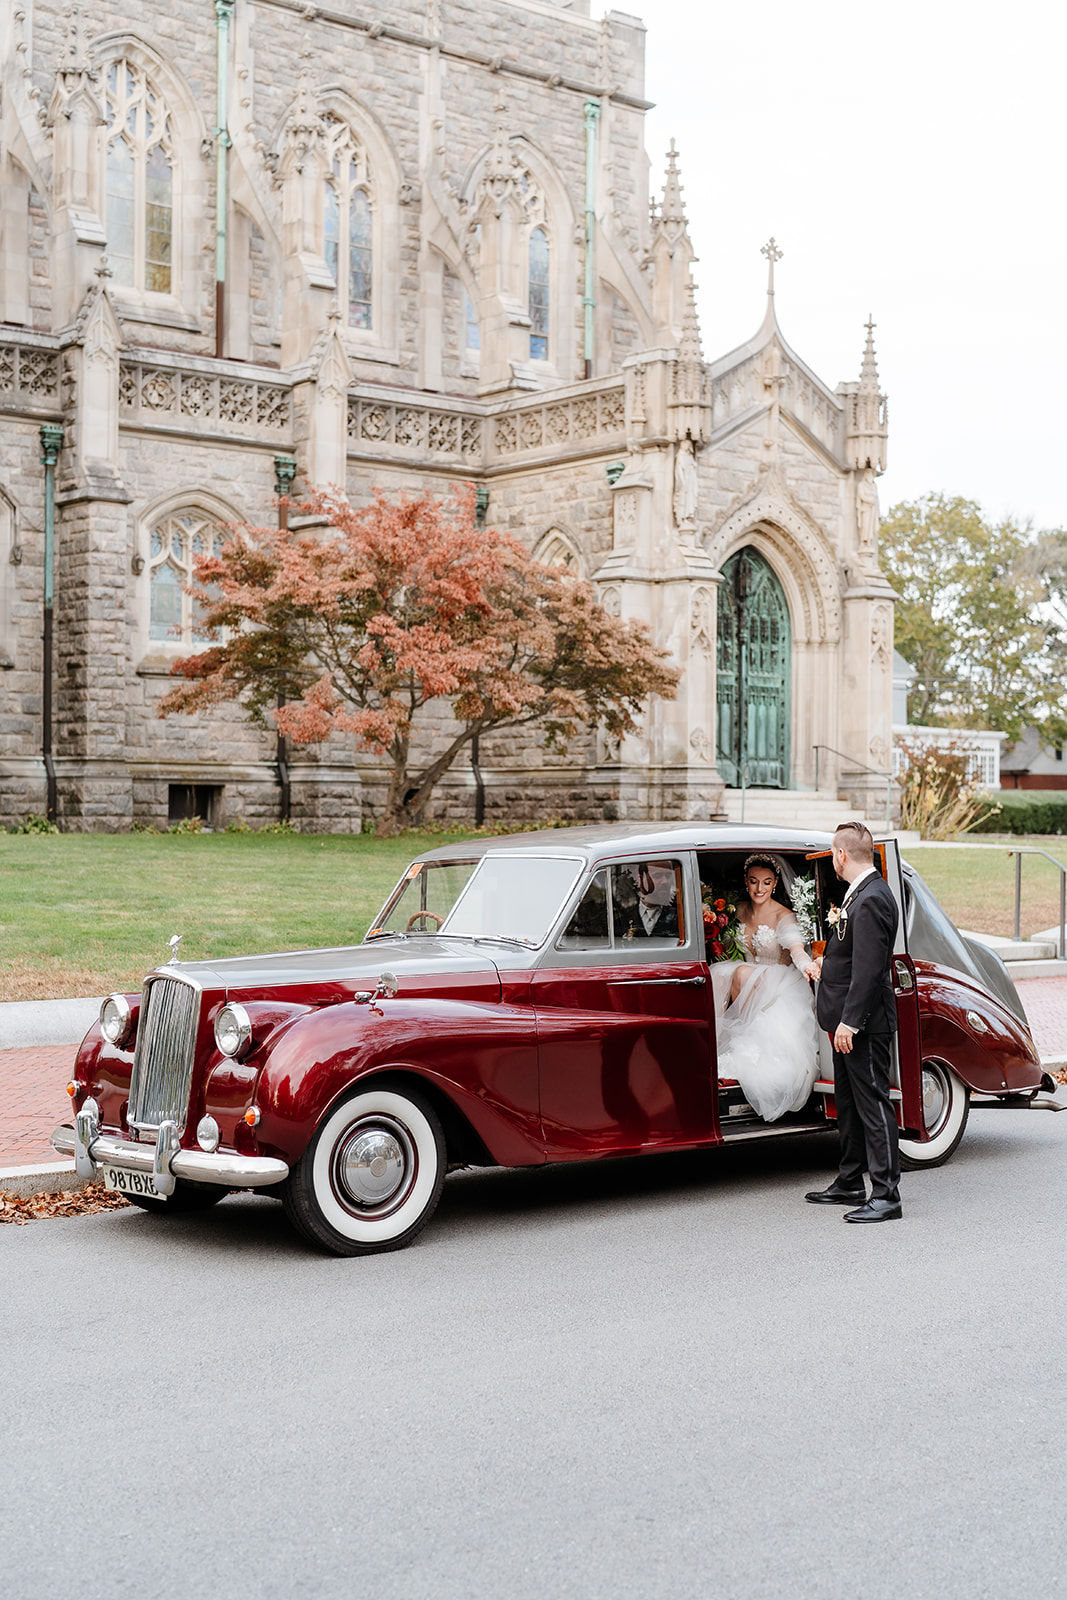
253,245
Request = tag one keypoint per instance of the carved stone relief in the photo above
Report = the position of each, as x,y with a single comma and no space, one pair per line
882,637
701,621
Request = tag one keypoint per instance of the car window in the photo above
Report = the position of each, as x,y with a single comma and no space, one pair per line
933,936
588,928
639,902
426,895
513,897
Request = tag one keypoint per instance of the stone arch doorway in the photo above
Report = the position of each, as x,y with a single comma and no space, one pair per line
753,674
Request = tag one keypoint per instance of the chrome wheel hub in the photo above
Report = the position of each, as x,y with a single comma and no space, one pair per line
373,1163
935,1100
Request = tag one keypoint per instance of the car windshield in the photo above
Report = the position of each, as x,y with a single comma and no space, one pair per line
499,897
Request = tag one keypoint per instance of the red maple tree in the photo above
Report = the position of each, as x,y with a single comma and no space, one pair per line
358,625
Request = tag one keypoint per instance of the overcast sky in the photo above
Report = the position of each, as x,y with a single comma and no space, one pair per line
908,157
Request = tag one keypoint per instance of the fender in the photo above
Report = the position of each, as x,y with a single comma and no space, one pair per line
481,1057
973,1032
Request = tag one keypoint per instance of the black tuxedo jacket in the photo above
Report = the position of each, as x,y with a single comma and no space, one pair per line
856,987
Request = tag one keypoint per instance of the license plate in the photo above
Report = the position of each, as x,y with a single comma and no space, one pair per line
130,1182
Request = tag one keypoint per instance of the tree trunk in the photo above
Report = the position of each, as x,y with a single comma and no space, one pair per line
408,797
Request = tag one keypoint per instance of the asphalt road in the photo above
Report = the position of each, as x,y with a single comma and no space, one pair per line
658,1378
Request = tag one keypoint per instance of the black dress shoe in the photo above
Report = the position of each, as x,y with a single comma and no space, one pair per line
833,1196
876,1210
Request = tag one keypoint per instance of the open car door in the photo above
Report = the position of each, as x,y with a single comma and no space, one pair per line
906,1065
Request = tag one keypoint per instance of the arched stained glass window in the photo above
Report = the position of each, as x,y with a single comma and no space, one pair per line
538,295
139,181
176,541
348,224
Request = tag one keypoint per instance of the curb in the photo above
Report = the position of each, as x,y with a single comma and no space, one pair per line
25,1024
50,1177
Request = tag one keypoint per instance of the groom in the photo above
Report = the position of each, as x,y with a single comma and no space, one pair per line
857,1007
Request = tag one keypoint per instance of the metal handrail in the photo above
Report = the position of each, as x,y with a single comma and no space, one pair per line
1032,850
859,766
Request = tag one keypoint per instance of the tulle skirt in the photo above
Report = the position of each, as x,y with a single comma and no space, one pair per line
768,1040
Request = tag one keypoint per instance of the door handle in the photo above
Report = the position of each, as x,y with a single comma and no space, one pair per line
629,983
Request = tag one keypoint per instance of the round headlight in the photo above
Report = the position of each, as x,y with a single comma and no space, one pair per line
233,1030
207,1134
116,1019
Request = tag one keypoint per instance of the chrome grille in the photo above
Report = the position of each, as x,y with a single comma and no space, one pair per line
163,1060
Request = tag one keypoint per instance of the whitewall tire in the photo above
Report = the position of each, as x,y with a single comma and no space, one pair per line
946,1103
372,1175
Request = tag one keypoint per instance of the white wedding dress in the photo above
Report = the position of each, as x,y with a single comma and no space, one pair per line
768,1039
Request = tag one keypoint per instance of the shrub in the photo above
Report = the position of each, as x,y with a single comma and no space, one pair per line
1025,811
936,796
34,824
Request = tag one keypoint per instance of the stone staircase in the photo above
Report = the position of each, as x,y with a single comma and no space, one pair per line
798,808
1028,958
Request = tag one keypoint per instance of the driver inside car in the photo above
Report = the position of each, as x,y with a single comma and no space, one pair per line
656,910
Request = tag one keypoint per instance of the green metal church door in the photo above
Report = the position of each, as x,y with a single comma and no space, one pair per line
753,674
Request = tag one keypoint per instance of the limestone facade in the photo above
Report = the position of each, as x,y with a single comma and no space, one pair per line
253,243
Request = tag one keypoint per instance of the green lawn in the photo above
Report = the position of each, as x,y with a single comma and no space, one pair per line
977,886
87,913
84,914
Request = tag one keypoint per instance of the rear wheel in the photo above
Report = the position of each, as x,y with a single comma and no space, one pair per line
372,1175
946,1103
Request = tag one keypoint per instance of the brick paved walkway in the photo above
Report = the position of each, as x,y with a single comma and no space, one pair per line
33,1097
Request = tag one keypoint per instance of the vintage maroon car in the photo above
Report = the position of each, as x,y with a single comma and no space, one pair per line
508,1007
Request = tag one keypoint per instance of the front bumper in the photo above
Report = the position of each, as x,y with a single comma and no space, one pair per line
165,1160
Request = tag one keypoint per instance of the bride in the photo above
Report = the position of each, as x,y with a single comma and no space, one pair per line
766,1031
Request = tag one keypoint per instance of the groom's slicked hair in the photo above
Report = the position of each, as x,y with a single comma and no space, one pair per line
856,840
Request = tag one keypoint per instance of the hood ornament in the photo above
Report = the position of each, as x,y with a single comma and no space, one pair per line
172,945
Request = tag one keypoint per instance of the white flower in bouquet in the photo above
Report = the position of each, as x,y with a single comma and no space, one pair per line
802,895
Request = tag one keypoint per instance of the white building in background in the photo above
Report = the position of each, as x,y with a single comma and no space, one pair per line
392,246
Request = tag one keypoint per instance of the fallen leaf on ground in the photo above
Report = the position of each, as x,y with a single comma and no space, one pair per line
68,1203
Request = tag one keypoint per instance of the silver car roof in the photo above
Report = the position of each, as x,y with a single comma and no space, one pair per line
592,842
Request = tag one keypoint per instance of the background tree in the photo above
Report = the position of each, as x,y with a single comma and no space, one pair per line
362,624
974,617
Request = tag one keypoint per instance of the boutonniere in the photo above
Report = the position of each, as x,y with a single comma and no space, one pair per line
837,919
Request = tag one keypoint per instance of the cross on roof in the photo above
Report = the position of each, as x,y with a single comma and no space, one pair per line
773,254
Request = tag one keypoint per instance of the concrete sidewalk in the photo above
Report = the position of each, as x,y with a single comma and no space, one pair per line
33,1077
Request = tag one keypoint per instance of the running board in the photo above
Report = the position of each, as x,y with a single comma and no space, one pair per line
776,1130
825,1086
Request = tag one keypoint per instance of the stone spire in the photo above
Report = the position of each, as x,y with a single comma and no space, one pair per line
670,256
75,77
689,410
672,209
689,348
502,169
869,369
868,415
303,126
